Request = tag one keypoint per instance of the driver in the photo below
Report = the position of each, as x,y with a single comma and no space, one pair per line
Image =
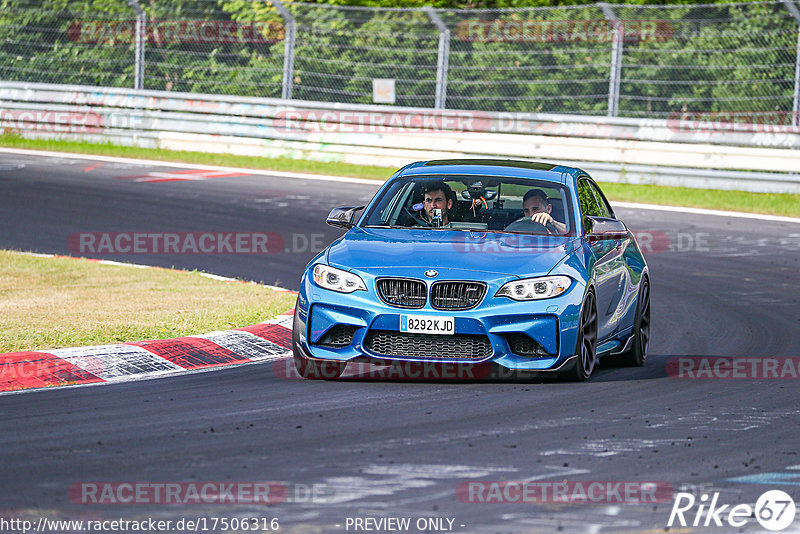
438,195
536,205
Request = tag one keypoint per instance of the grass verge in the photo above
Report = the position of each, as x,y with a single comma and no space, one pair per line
50,303
766,203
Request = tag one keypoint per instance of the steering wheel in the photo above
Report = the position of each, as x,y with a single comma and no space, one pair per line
527,226
415,218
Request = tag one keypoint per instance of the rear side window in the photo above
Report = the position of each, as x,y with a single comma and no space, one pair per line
605,209
589,205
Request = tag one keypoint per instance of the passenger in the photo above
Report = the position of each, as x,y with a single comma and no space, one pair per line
438,195
536,205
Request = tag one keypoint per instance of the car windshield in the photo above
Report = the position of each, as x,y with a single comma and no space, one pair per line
483,203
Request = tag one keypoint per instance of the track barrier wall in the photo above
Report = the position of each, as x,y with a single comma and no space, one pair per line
690,149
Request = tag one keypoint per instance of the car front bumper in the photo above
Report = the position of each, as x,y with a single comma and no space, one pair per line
494,327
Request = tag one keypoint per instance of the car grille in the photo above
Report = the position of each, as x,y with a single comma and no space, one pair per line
340,335
524,345
429,346
402,292
457,295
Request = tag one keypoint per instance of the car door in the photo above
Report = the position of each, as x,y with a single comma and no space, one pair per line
628,273
609,264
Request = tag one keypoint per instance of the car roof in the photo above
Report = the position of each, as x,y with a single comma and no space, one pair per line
490,167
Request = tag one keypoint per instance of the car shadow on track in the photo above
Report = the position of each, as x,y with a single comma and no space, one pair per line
657,366
611,370
436,372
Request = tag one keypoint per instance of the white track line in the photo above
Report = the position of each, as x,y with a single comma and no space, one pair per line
328,178
701,211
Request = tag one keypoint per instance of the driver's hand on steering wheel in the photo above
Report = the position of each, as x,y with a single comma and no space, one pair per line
545,219
542,218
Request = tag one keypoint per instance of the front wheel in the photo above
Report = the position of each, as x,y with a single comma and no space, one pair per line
586,348
306,367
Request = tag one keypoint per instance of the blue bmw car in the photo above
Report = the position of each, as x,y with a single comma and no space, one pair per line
514,264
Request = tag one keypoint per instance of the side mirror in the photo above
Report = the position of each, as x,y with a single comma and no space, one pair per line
604,229
343,217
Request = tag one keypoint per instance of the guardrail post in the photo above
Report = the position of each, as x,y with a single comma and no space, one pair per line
443,59
141,38
288,50
796,100
617,44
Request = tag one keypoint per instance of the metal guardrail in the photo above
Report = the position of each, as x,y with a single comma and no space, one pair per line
614,149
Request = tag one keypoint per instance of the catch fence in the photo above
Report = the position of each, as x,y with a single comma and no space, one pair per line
735,62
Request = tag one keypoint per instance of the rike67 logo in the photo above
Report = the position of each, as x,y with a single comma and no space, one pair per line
774,510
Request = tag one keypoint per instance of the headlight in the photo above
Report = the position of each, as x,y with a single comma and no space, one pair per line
337,280
544,287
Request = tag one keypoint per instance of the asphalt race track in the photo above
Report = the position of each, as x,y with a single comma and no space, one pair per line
370,449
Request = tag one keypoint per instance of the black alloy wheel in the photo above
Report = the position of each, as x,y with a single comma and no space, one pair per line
586,348
637,354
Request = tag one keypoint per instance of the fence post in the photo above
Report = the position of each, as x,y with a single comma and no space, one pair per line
141,38
443,59
617,44
288,50
796,100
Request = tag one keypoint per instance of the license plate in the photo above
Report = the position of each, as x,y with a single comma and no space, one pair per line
427,324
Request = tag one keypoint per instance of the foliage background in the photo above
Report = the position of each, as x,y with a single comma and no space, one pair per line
711,58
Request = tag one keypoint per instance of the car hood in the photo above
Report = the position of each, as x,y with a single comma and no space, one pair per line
408,251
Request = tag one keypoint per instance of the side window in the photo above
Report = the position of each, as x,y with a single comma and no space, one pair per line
587,200
605,209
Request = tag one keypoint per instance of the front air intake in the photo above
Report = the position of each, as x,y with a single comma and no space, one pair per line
523,345
340,335
428,346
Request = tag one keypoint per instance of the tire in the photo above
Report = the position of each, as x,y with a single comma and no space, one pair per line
308,368
586,347
636,356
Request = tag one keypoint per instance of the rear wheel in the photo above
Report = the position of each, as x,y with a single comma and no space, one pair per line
586,349
308,368
641,329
